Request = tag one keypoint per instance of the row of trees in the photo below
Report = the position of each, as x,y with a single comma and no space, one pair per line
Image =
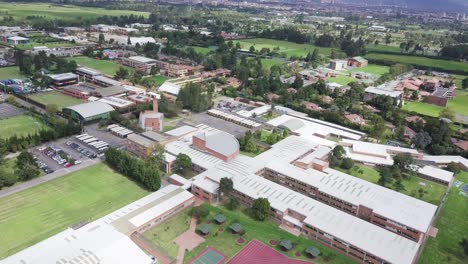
146,174
29,64
195,97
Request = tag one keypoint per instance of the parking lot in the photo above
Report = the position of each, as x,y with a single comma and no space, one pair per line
8,110
229,127
104,135
61,154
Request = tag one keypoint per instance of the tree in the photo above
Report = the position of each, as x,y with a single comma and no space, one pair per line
347,163
298,82
338,152
447,113
200,212
454,167
232,204
464,245
154,70
101,38
422,140
183,162
121,73
156,156
403,161
226,185
252,49
465,83
261,209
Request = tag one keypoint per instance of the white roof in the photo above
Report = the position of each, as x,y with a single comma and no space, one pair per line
373,153
89,71
63,76
116,101
393,205
444,160
315,130
220,142
436,173
18,38
142,59
343,226
90,109
141,40
105,240
170,88
181,131
107,80
186,184
380,91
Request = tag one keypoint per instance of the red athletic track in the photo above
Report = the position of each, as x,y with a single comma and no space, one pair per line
258,253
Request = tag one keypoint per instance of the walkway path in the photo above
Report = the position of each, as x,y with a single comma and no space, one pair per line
188,240
37,181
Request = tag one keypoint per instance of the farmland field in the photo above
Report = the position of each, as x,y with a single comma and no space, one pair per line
105,66
10,73
66,12
445,248
20,125
419,61
57,98
290,48
39,212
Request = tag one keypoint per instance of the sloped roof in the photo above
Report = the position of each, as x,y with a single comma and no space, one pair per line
90,109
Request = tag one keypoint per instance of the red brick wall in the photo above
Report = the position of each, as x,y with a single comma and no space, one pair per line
199,143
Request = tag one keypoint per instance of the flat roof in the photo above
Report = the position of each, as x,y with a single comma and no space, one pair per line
436,173
141,59
107,80
315,130
181,131
105,240
170,88
91,109
89,71
381,91
63,76
140,140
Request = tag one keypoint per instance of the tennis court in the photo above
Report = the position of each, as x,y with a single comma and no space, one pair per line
209,256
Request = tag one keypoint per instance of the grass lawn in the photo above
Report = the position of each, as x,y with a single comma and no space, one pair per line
21,11
201,50
262,231
419,61
459,104
433,192
383,48
373,69
342,79
158,79
452,227
57,98
51,45
423,108
20,125
290,48
37,213
10,73
163,235
105,66
267,63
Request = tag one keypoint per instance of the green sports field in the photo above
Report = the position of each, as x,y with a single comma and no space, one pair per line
452,225
20,125
25,11
158,79
37,213
416,61
57,98
267,63
290,48
342,79
105,66
459,105
373,69
10,73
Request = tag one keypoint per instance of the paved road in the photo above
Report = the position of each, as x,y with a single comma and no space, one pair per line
57,174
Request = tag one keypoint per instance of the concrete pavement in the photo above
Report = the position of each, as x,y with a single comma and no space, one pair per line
37,181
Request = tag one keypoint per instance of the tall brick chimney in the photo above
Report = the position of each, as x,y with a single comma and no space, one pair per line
155,105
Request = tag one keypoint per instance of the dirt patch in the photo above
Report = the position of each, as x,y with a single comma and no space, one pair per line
221,229
273,242
240,241
297,254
